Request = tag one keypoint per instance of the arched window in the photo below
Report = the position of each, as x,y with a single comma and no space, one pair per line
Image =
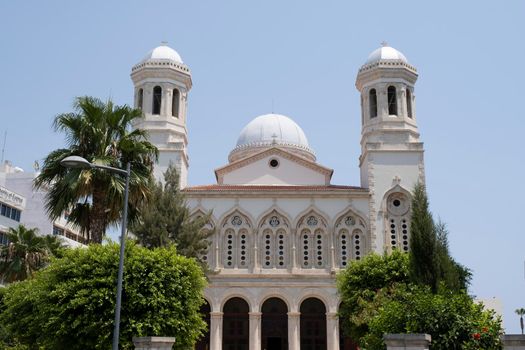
350,238
409,103
345,342
373,103
392,101
235,324
274,324
175,102
207,255
274,240
398,221
236,241
313,324
140,99
312,241
157,99
204,341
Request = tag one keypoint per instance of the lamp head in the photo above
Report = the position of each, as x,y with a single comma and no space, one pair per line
76,162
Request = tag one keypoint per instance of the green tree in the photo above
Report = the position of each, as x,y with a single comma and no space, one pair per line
99,132
378,297
70,304
424,261
453,275
453,319
430,261
359,283
521,312
166,220
25,253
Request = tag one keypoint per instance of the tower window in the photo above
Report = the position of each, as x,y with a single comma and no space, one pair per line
409,104
392,101
373,103
157,99
140,99
175,103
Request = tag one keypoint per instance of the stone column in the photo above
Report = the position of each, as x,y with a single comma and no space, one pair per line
255,330
153,343
382,100
183,106
294,332
165,106
148,98
407,341
331,239
332,331
293,262
513,341
216,330
403,103
255,266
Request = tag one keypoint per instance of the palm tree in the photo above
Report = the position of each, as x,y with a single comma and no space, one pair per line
99,132
25,253
521,313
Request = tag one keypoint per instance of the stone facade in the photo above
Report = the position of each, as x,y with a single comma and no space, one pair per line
282,231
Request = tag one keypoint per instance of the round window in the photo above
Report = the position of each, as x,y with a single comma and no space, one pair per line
398,204
274,163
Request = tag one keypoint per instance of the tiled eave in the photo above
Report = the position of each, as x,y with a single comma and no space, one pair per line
274,190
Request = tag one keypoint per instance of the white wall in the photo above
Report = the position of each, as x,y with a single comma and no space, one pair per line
287,173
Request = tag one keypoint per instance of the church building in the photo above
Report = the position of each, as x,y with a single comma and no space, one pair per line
282,230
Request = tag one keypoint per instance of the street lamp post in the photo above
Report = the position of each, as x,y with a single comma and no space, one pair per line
79,162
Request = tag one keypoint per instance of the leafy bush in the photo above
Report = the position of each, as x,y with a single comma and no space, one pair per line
359,283
453,320
378,297
70,304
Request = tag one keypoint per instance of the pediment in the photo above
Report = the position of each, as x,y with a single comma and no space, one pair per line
274,166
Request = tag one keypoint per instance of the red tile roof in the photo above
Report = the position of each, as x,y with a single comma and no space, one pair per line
265,188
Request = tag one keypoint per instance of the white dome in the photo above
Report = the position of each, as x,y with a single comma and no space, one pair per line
387,53
271,130
163,52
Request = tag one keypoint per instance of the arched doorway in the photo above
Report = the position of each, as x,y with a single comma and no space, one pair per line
235,332
204,342
274,325
345,342
313,324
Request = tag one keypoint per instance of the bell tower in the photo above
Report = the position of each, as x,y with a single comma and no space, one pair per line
391,160
162,82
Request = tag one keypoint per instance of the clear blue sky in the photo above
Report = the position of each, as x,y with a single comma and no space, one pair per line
303,55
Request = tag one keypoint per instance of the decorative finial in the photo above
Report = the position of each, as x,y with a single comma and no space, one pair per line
384,43
164,43
396,180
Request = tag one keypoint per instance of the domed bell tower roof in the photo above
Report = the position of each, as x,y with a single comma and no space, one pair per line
163,52
385,62
162,58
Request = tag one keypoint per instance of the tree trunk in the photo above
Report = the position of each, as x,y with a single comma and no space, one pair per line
98,215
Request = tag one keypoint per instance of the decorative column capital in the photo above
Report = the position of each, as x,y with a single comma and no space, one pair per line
255,315
332,316
293,314
216,314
